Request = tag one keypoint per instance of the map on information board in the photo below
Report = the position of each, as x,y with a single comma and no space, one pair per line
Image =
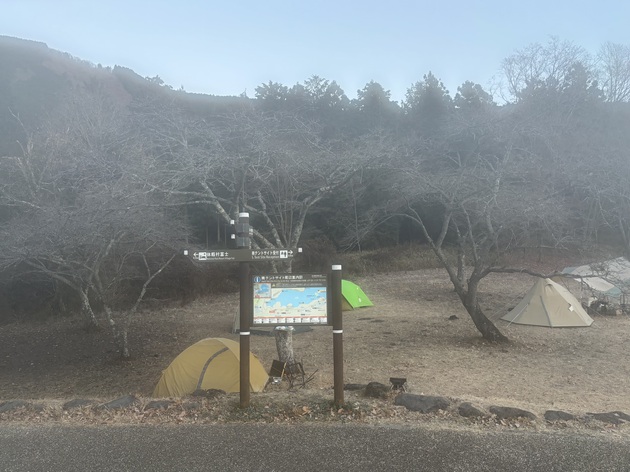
290,299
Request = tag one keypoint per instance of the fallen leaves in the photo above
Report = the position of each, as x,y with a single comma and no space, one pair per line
281,408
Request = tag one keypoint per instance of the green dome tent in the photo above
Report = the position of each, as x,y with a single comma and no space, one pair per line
353,296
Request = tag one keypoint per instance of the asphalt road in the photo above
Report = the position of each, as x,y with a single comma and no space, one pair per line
259,447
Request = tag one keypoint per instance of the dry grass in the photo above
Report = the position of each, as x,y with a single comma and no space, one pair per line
407,334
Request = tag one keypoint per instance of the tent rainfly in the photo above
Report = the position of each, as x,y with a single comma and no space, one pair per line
549,304
610,279
211,363
353,296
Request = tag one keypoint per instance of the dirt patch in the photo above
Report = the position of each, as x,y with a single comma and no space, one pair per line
409,333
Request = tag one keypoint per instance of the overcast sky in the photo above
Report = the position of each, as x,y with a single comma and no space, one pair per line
228,47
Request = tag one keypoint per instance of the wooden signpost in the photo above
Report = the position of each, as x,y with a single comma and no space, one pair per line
244,255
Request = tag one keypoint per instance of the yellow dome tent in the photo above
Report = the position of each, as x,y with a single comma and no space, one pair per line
211,363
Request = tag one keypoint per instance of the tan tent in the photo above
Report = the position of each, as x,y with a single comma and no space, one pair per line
211,363
549,304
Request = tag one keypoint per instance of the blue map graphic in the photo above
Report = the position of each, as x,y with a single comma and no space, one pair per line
290,305
295,298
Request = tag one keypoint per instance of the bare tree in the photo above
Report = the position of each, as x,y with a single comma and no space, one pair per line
541,65
492,198
613,61
600,176
76,216
274,166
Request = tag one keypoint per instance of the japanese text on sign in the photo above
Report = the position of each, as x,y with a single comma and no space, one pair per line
290,299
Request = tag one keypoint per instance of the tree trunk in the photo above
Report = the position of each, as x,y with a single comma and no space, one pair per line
124,343
486,327
461,266
86,310
284,344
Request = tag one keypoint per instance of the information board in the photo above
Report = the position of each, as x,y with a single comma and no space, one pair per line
290,299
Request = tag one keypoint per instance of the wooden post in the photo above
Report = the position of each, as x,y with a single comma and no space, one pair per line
336,305
244,254
245,308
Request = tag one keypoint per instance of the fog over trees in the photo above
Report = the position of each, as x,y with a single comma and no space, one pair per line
101,189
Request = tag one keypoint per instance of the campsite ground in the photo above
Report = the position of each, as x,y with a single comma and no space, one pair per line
408,333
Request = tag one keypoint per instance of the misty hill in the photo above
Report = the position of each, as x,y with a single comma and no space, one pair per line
35,79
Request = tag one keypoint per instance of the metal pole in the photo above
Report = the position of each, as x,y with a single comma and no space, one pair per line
335,282
245,308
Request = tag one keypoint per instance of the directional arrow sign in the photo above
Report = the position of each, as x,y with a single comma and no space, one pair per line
271,254
243,255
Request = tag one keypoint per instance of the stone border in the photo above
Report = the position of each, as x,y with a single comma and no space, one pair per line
424,404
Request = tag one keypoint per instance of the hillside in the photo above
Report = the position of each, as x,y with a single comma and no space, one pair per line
35,80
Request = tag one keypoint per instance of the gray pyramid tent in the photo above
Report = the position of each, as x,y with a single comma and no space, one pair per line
549,304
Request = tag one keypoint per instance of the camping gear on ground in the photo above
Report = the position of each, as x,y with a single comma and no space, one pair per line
549,304
293,373
353,296
608,279
212,363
